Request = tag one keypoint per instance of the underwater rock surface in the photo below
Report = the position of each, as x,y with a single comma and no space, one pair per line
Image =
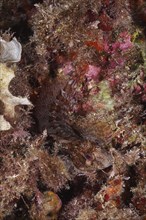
72,110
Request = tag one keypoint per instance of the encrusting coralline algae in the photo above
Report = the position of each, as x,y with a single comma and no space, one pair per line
10,52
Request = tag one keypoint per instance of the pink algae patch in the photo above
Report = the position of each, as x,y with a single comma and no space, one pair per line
68,68
93,72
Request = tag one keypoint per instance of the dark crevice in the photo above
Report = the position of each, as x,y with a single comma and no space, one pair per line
20,212
35,1
22,31
75,189
129,184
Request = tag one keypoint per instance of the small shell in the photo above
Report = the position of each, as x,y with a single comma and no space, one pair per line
10,51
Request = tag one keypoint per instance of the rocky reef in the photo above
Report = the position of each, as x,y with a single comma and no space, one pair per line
72,110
